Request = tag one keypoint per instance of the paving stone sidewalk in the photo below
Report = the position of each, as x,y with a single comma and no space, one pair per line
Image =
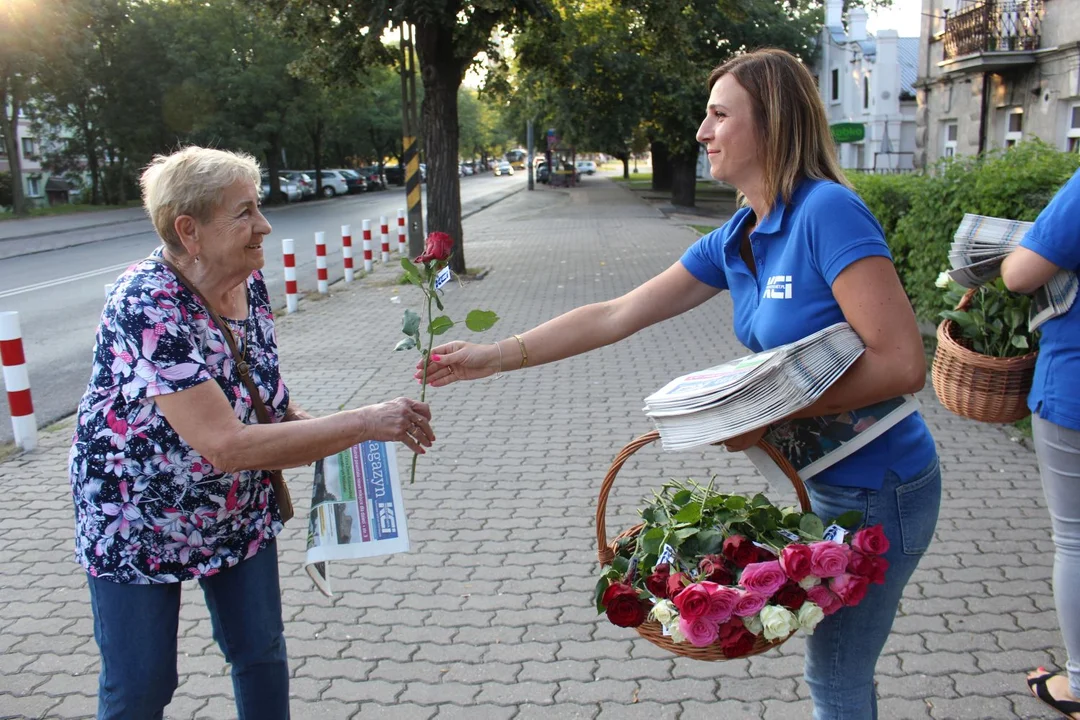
490,615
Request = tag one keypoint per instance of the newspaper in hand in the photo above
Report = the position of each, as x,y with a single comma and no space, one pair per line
979,247
722,402
356,509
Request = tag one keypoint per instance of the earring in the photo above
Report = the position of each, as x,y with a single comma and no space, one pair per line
196,258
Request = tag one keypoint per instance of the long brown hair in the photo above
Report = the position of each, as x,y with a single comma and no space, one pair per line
793,129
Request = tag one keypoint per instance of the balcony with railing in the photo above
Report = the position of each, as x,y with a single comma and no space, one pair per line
992,35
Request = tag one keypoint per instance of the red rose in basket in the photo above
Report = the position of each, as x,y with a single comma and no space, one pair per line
719,576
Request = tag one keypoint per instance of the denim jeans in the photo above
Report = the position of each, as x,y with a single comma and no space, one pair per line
842,653
135,628
1058,451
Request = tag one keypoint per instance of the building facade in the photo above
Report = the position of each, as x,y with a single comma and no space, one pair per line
867,83
995,72
29,149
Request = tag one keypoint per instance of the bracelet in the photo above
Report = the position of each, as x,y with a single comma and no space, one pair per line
524,354
499,374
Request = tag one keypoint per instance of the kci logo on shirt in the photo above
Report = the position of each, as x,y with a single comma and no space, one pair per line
779,288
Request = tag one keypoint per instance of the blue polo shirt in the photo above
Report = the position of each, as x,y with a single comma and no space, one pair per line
799,249
1055,391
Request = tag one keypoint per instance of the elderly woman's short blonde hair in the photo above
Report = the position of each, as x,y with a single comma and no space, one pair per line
190,182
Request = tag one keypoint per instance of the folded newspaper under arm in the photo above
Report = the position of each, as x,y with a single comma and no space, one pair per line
979,247
356,509
813,444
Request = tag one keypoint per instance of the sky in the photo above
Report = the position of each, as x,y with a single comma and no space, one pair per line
903,17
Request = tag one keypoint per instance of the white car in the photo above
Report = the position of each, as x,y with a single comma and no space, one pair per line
289,189
585,166
333,182
504,168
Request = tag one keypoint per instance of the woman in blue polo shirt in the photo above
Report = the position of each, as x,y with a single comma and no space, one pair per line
1053,243
801,254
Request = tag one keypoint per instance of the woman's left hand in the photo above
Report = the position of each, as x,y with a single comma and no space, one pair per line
744,441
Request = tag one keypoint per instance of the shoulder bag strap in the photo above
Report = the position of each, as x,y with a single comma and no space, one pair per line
241,363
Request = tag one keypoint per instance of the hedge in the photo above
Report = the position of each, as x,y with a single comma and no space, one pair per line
920,212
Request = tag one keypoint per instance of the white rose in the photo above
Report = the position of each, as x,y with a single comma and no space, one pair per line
664,612
753,624
778,622
810,614
809,581
676,634
943,280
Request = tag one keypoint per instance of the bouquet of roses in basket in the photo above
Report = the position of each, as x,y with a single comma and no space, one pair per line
715,568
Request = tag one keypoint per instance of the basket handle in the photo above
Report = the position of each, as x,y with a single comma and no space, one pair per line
605,554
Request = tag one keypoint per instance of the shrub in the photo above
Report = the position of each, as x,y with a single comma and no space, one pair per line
5,189
920,213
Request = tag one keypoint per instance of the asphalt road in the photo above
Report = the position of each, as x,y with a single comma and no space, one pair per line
59,291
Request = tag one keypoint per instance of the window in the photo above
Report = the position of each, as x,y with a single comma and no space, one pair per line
1014,127
866,92
28,148
952,132
1072,133
834,85
33,186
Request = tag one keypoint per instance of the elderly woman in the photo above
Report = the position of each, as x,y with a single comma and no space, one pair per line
169,464
766,134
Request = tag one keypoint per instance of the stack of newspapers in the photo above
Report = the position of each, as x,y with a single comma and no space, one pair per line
751,392
979,247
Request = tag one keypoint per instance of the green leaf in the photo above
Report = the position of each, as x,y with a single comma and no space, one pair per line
689,514
1019,341
480,320
410,324
735,502
409,268
405,344
849,519
709,541
684,533
601,587
760,500
621,565
652,540
439,325
682,497
812,526
438,301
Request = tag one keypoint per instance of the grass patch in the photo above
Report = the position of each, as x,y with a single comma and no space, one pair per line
66,210
1024,427
703,229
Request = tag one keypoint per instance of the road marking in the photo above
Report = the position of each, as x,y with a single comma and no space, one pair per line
69,278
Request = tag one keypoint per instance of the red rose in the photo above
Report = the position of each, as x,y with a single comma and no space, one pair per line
738,640
790,596
437,246
795,559
871,567
657,583
714,569
740,550
851,589
676,584
693,602
871,541
880,566
623,606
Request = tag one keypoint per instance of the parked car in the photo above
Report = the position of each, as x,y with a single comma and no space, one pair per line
504,168
395,174
375,179
289,189
585,166
333,182
356,182
305,182
543,172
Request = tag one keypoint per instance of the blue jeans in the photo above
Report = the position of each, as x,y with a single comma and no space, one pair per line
1058,451
843,651
135,628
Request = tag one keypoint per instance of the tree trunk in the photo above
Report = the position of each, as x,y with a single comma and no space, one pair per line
684,178
625,157
316,146
442,74
661,166
273,162
11,146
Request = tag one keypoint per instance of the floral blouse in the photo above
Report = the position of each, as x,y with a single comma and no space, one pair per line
148,507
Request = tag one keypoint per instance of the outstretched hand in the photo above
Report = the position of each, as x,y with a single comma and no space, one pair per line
401,420
744,441
459,361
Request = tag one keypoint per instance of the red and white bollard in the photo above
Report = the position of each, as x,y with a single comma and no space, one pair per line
401,233
367,245
320,262
17,381
384,230
288,248
346,251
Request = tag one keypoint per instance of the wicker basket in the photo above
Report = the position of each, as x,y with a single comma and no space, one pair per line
652,630
980,387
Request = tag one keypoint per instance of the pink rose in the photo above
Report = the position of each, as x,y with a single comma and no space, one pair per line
749,604
871,541
828,559
763,577
825,599
851,589
795,560
699,631
722,602
693,602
